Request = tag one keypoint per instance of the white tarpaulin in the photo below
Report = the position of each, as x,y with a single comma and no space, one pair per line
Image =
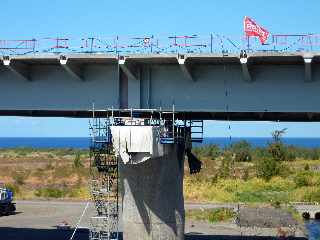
136,144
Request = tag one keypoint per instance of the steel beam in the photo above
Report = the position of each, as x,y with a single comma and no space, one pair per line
245,70
186,68
73,70
128,69
19,69
308,69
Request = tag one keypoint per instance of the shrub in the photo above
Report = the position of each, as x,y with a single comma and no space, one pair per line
280,184
307,167
226,165
204,191
79,192
50,192
277,151
246,174
209,151
218,215
24,151
211,215
77,162
314,155
13,187
20,177
303,179
229,185
267,168
242,151
276,204
307,194
262,196
260,152
290,154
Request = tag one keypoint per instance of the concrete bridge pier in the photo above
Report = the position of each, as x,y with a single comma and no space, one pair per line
153,206
151,188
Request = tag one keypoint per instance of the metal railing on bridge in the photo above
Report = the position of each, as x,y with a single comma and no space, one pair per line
210,43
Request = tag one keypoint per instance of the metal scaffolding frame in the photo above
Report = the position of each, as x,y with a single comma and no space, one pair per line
104,183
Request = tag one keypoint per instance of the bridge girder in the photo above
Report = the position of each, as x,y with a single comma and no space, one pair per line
259,86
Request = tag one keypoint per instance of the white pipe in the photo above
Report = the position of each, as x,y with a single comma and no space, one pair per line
74,232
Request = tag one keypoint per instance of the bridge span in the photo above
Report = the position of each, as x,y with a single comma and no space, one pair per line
149,153
253,86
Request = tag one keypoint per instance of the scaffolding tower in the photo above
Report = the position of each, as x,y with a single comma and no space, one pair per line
104,181
104,166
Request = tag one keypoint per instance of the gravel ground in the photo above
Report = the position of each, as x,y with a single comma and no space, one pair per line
37,220
265,218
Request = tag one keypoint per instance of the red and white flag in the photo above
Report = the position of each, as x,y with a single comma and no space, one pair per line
253,29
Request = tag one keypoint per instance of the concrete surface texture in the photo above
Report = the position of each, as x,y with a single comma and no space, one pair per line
152,193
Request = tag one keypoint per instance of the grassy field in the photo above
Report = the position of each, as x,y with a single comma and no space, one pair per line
275,174
211,215
45,173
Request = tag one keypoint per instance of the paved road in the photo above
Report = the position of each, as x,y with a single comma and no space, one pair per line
48,214
37,220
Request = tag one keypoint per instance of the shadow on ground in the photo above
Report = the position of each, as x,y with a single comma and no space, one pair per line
223,237
54,234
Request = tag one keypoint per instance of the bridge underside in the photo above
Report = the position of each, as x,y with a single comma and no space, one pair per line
261,86
232,116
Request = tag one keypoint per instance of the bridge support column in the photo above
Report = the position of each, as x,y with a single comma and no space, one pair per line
152,191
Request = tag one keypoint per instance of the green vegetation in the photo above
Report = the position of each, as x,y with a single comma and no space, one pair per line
268,168
62,192
77,163
242,151
50,152
211,215
14,188
294,213
275,174
45,173
50,192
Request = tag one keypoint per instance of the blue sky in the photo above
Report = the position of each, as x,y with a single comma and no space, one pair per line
76,18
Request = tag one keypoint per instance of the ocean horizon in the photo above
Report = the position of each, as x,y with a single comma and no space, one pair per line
84,142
